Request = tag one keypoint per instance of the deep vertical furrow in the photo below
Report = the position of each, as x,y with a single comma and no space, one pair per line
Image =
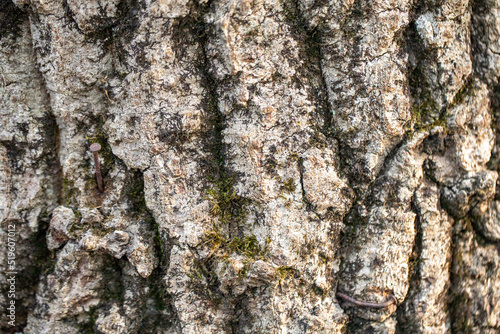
363,65
440,58
425,308
291,210
74,100
457,100
173,137
91,231
474,300
28,172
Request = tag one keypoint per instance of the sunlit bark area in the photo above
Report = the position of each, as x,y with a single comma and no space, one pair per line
268,166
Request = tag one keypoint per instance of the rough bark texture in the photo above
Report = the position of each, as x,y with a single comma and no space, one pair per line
258,157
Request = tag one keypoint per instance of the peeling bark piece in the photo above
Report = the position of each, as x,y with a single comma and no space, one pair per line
363,66
475,286
470,123
470,194
236,274
141,254
376,260
426,306
91,217
445,62
486,40
261,273
488,223
72,288
114,243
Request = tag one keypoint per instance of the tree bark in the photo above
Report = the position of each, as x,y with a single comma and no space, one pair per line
261,161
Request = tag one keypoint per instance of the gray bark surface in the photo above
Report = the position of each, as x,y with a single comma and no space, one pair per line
258,156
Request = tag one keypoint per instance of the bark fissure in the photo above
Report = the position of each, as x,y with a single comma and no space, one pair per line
257,157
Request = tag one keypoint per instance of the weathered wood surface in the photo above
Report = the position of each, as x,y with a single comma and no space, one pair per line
258,156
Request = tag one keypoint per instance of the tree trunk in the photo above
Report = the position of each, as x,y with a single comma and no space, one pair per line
261,161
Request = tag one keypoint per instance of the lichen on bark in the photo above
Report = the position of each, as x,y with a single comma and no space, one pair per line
258,156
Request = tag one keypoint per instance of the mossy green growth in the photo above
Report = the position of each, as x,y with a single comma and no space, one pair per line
289,186
424,113
75,227
425,110
215,238
284,272
158,238
223,247
226,204
466,90
69,192
426,116
135,192
247,246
